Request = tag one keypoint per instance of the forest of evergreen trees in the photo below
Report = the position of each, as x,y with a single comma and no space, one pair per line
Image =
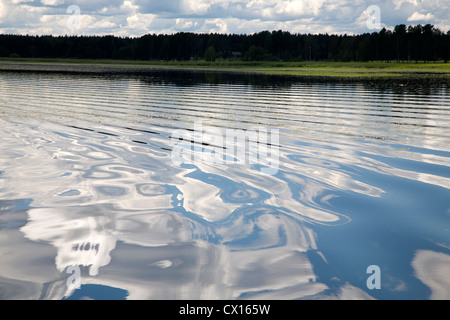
403,44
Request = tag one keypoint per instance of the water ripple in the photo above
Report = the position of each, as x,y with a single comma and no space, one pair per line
87,162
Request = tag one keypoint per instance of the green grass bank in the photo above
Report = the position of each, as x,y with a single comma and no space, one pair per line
376,70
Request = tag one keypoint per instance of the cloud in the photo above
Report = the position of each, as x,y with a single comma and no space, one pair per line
20,1
398,3
138,17
197,7
416,16
52,2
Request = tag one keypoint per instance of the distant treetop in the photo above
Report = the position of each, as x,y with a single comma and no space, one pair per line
404,43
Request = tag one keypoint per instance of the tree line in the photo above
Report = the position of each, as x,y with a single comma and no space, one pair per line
403,44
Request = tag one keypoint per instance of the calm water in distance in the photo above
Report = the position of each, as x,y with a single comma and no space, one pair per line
87,181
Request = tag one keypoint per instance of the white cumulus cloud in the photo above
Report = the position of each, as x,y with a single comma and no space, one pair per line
138,17
416,16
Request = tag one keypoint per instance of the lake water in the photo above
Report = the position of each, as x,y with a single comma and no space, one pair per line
354,202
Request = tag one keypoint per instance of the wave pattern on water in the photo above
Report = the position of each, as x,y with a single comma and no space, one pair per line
87,161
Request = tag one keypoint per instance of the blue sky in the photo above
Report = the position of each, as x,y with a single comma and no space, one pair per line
139,17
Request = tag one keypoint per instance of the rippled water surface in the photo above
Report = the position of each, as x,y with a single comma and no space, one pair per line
88,183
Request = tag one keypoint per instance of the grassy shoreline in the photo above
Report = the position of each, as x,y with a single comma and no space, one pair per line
349,70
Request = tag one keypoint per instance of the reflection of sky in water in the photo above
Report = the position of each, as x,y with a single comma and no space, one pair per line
88,191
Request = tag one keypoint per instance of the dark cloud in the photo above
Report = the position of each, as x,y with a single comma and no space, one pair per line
167,8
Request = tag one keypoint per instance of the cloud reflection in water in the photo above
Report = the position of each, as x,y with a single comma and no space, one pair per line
105,195
222,236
